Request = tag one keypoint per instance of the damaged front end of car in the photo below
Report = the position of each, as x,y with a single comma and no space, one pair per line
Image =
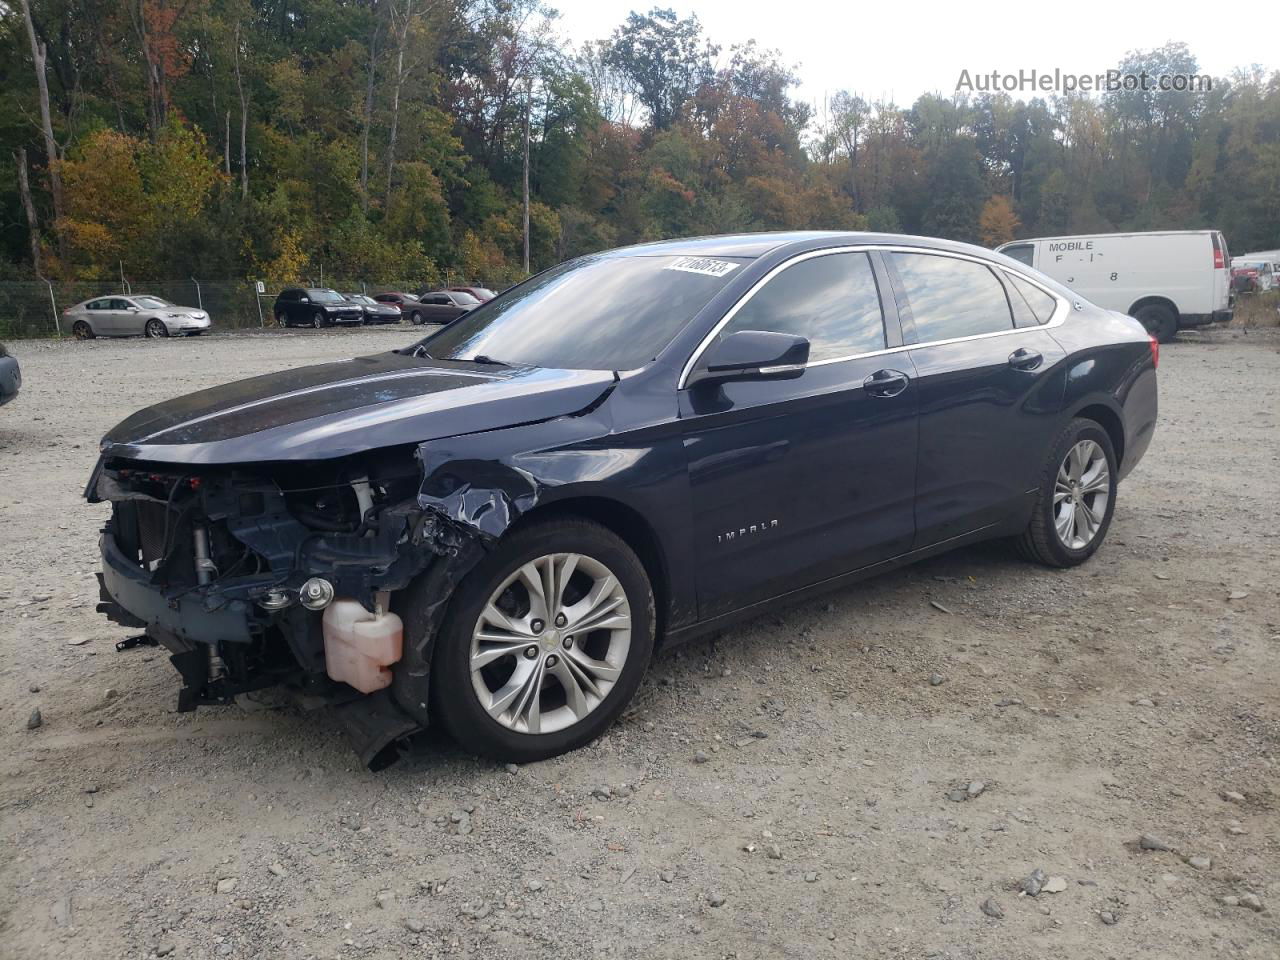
245,574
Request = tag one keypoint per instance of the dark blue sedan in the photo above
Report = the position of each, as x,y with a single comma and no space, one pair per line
493,527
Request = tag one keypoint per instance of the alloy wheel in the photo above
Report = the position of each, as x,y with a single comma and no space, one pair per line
155,328
1081,492
550,643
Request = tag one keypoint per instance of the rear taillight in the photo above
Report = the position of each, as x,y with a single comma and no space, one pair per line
1155,353
1219,257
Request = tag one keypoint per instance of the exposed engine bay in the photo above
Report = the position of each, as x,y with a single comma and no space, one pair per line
280,574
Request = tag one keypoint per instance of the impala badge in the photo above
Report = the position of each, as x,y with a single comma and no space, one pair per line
731,535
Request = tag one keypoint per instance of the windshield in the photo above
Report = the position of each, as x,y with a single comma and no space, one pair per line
325,296
150,303
594,313
464,298
360,298
484,292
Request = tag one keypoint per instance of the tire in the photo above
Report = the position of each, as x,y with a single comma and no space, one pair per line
623,650
318,321
415,318
82,331
155,329
1160,321
1045,541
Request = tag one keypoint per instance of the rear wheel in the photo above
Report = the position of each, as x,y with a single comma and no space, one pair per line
1160,321
81,330
544,643
155,328
282,319
1076,500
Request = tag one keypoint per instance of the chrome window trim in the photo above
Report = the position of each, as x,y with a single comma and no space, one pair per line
1060,310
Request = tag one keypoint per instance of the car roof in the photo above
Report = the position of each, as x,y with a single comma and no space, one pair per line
753,245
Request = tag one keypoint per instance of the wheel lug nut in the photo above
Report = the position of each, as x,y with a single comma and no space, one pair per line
530,652
552,660
561,619
568,643
537,626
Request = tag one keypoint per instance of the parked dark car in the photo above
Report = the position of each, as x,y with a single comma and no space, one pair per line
10,376
316,307
482,294
493,528
375,312
445,306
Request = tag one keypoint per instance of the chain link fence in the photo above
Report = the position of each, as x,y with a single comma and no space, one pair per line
36,308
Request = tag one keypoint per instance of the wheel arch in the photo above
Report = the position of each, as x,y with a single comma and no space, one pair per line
1154,301
628,524
1110,421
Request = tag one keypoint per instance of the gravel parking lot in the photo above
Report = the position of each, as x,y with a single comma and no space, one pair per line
873,774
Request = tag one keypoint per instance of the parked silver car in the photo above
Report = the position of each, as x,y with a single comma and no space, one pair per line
134,315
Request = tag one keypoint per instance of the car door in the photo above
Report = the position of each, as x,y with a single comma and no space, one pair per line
794,481
98,314
988,391
438,308
129,318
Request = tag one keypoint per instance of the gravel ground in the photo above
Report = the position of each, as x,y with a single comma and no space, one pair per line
874,774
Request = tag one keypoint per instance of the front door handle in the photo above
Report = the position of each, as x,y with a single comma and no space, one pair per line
1024,359
886,383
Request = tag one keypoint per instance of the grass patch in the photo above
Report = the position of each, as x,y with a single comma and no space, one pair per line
1257,310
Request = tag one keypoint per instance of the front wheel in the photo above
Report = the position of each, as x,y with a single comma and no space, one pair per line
155,328
415,318
545,642
1076,499
318,320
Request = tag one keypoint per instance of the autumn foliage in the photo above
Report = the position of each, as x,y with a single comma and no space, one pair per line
384,139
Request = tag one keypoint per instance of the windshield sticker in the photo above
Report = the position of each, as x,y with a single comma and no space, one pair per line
703,265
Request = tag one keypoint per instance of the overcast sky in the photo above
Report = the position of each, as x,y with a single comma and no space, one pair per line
901,50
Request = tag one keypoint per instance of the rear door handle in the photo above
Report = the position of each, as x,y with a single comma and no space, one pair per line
886,383
1024,359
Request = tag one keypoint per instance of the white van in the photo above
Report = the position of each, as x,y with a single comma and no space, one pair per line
1168,280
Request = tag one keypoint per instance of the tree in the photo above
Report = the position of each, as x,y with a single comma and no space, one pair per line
998,223
664,58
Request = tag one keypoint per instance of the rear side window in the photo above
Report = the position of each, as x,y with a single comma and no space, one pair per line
1031,305
951,298
831,301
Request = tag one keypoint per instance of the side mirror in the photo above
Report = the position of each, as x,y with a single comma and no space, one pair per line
753,355
305,299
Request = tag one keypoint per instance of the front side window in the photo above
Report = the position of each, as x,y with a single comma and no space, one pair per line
951,298
599,312
832,301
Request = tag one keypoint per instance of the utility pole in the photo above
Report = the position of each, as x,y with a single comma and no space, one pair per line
528,108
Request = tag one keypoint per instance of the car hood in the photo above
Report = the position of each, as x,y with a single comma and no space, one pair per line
349,406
